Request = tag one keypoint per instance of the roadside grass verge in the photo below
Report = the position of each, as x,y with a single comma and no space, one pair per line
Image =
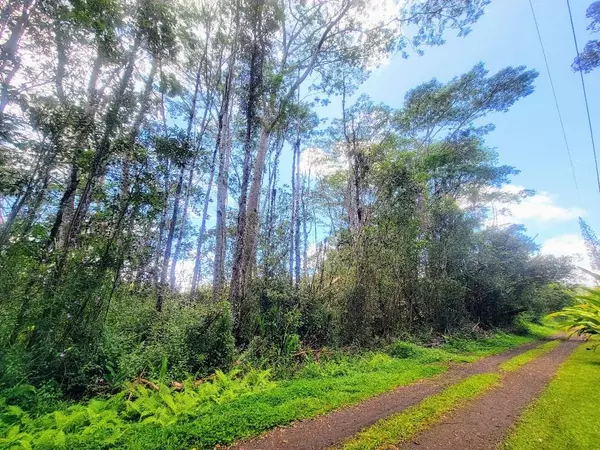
566,416
236,406
518,361
408,423
542,329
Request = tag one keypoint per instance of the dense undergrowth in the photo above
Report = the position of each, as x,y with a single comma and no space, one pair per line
228,406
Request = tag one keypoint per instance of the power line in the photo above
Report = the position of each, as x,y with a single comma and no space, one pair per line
562,126
587,107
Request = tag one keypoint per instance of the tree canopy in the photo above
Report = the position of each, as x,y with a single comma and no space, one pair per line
157,199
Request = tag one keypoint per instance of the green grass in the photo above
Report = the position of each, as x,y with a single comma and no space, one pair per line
471,349
408,423
234,407
548,327
567,415
518,361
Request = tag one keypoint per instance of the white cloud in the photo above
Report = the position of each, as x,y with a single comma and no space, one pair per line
571,245
317,163
540,207
567,245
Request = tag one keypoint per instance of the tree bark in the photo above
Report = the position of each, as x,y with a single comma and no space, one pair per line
222,193
239,268
305,230
66,204
293,214
253,217
297,235
103,148
224,145
8,51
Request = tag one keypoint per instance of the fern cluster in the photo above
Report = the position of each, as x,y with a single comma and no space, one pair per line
104,421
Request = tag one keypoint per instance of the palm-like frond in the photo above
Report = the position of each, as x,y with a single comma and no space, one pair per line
583,318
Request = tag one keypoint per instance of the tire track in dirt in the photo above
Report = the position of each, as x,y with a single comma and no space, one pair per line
332,428
484,423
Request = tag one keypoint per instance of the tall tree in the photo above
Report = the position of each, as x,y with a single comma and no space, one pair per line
589,58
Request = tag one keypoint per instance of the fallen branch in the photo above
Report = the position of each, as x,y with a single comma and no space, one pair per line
179,386
148,383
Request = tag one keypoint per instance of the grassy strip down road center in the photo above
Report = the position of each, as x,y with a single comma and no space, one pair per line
406,424
522,359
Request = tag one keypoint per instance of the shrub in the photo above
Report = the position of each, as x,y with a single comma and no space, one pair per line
210,343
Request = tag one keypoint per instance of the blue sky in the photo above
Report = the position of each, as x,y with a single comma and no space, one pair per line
529,135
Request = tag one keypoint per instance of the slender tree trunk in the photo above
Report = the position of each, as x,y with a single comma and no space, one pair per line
240,269
34,207
4,100
191,117
181,230
62,43
11,47
136,127
198,261
305,228
249,261
297,235
221,215
21,201
169,244
5,15
224,143
66,204
9,50
268,207
293,214
61,40
12,217
102,151
162,224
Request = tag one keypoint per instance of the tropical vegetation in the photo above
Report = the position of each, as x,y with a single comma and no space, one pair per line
187,230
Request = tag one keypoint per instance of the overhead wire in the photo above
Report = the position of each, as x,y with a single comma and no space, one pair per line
587,106
560,119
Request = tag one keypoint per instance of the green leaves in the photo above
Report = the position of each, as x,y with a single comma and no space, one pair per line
584,318
103,422
440,109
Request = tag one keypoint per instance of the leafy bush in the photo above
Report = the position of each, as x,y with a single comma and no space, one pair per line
132,341
404,350
547,299
210,343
